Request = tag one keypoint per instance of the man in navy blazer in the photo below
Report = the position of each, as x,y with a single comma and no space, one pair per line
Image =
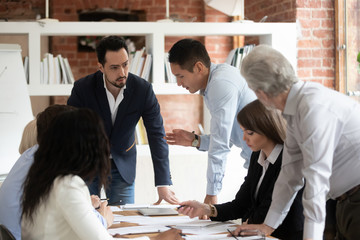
121,98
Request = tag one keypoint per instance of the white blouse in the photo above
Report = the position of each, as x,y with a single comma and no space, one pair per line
66,214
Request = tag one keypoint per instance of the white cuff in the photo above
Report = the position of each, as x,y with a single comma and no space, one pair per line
274,219
313,230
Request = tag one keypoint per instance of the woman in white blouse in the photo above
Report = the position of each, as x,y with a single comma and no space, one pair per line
56,201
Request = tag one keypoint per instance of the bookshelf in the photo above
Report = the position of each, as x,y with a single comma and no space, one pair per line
282,36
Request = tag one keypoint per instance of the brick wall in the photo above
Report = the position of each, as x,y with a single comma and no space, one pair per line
179,111
17,10
316,51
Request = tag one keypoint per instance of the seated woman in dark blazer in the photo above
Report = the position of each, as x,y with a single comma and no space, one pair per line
264,133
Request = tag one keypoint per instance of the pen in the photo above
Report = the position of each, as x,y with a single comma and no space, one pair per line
115,203
181,234
232,234
180,206
103,199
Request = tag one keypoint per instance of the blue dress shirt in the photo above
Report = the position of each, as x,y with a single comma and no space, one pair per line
225,95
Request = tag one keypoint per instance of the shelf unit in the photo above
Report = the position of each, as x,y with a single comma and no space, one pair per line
282,36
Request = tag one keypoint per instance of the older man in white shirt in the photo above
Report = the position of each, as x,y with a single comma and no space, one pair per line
322,146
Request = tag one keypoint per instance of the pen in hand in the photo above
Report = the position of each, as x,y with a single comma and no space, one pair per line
181,234
180,206
232,234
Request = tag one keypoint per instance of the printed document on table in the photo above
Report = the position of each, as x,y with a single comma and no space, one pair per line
137,230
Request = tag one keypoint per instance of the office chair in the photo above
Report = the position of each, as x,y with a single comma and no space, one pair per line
5,234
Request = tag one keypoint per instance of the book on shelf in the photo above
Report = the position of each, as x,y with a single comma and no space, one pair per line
41,72
145,74
140,133
26,68
169,77
55,70
57,79
136,63
69,73
63,74
140,65
236,56
45,73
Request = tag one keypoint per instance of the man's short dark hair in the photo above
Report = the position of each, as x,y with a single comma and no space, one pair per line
187,52
109,43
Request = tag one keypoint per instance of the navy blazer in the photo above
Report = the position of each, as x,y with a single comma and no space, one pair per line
139,101
246,206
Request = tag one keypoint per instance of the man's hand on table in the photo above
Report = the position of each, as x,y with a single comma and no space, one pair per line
166,194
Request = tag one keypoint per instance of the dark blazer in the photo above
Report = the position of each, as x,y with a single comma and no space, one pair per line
246,206
139,101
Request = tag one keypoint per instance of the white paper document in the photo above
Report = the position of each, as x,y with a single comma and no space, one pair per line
138,230
115,209
141,206
221,237
202,227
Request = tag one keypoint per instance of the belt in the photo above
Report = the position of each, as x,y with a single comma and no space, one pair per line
348,193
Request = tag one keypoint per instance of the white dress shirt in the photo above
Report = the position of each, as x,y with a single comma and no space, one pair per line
225,95
265,161
114,103
323,146
66,214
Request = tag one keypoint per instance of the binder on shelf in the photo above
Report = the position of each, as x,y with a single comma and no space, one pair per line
51,68
41,72
69,73
57,79
45,71
237,55
26,68
64,78
55,70
135,63
140,133
169,77
140,66
145,74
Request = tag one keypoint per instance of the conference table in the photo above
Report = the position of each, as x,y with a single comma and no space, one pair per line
125,213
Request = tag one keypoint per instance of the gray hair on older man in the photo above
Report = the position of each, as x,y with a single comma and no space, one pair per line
268,70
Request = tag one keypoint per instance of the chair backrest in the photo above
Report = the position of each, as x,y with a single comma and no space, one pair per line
5,234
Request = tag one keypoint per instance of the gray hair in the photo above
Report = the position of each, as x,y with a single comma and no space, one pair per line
268,70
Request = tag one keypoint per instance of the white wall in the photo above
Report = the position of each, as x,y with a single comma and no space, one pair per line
188,170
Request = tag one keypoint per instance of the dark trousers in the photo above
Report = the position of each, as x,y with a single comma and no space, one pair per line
119,192
348,218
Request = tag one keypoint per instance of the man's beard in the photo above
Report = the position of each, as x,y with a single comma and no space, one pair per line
120,85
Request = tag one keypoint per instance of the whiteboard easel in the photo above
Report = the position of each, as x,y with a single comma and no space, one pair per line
15,106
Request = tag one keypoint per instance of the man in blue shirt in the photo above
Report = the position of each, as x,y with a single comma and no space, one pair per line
11,190
225,93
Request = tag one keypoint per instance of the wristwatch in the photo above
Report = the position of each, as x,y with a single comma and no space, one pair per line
195,142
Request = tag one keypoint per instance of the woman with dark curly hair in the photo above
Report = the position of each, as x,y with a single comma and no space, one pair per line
56,201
